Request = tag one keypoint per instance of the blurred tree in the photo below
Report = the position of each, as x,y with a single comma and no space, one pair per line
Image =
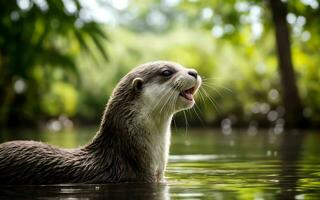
291,99
36,37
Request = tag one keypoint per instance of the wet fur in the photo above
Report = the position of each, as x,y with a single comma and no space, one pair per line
121,151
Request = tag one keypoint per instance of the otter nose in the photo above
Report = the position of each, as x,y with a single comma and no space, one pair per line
193,73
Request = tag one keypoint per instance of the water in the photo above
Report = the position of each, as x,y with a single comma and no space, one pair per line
203,164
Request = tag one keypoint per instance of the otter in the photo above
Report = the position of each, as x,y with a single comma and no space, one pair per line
132,143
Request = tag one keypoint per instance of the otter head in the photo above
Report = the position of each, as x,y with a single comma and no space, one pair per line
165,87
155,89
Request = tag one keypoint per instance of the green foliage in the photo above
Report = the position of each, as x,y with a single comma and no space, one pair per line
37,39
62,98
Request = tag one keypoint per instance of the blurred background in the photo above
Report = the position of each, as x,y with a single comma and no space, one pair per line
60,59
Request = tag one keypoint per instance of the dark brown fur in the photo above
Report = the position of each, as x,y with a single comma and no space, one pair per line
116,154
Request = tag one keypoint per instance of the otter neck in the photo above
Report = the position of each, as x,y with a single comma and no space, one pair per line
142,140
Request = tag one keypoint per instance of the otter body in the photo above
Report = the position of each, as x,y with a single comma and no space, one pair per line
132,144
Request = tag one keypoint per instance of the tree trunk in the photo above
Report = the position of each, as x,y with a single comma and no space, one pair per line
290,95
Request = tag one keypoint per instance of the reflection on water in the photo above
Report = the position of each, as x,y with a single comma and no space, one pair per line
72,191
203,165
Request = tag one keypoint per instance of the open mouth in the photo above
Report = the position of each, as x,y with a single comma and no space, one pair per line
188,94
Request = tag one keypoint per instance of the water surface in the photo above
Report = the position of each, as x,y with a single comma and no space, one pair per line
203,164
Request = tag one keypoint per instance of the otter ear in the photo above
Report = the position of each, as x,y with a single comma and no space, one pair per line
137,83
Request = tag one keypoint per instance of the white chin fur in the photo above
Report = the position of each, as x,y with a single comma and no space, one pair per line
183,104
159,98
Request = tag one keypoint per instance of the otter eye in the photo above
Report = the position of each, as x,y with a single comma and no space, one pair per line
167,73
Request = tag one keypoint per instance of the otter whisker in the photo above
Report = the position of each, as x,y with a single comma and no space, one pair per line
210,99
160,100
211,78
179,85
213,102
170,94
213,85
195,111
186,122
202,98
171,103
174,88
214,89
174,100
149,114
174,123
